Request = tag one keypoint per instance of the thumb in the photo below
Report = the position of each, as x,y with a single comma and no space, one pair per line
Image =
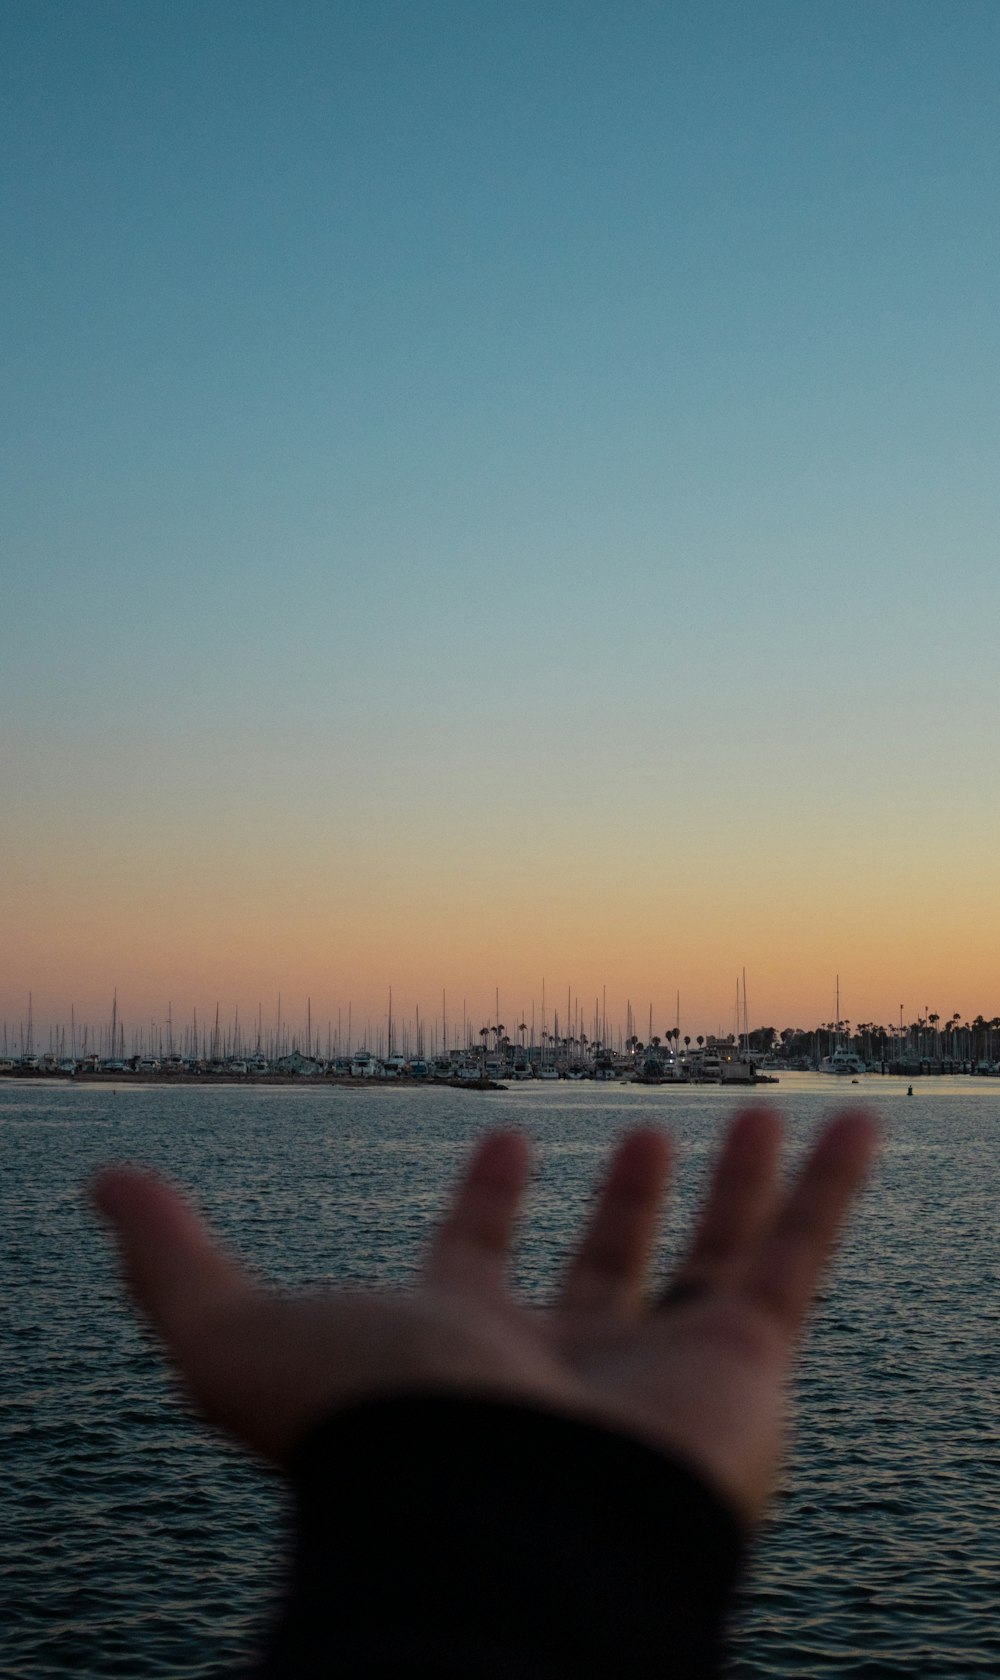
175,1270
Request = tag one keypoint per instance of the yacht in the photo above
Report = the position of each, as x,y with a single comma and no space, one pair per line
841,1060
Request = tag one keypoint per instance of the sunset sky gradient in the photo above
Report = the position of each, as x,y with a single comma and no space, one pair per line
500,492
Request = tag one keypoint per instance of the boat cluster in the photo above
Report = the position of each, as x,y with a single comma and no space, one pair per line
715,1062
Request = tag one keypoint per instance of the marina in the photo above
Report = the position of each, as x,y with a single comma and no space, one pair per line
422,1052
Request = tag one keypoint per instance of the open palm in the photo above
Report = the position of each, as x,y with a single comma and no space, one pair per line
700,1372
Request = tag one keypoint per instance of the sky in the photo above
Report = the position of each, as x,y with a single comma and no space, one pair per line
499,493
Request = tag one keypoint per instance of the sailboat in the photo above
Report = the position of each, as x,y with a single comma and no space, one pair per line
841,1059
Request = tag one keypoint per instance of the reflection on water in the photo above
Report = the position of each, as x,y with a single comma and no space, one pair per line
136,1544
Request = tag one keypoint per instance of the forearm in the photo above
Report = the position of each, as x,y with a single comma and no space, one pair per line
483,1541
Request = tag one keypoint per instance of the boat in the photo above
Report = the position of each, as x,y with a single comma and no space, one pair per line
841,1060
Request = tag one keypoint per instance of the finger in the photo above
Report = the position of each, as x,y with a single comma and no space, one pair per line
174,1268
608,1273
796,1250
472,1246
741,1198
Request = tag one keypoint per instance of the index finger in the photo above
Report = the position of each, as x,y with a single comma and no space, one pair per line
795,1251
472,1246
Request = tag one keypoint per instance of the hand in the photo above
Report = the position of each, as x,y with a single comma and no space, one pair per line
701,1373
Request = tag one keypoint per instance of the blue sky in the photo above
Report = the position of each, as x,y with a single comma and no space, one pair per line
599,389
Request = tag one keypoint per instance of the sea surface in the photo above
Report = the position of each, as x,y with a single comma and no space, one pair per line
133,1542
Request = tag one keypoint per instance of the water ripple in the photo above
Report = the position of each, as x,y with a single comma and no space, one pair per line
138,1544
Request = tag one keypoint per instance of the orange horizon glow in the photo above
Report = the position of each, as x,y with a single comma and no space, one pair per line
243,982
195,904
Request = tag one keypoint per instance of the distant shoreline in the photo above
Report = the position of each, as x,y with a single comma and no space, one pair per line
286,1081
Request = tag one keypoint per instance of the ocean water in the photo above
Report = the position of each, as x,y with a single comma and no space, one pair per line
134,1542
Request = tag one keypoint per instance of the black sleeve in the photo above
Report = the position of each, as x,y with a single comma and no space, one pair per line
468,1539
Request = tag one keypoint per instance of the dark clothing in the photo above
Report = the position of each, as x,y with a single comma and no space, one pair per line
468,1539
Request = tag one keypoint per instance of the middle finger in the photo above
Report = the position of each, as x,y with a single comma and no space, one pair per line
741,1199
